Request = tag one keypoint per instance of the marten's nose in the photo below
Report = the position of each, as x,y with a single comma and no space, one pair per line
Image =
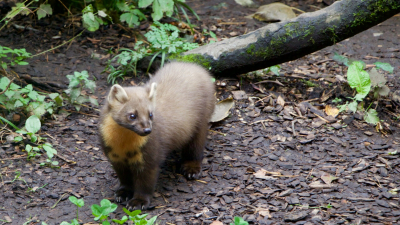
147,130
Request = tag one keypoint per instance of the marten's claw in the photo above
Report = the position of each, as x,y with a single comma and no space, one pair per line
138,203
123,193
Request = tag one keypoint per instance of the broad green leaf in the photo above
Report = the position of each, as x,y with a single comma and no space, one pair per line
123,7
89,22
19,8
167,6
157,10
133,213
371,116
96,211
353,106
385,66
50,151
341,59
44,10
33,124
102,13
73,199
88,9
4,81
144,3
358,78
93,101
18,103
39,109
82,75
275,69
18,139
54,95
33,95
152,220
75,92
130,18
33,138
22,63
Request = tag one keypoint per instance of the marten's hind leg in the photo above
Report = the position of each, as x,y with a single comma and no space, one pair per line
192,154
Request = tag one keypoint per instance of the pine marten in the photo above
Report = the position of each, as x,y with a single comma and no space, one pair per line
139,126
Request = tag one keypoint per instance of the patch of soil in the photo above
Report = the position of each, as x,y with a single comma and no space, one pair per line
268,163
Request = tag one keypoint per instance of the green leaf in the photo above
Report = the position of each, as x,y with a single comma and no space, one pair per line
167,6
39,108
353,106
89,22
157,10
144,3
123,7
4,81
33,124
18,103
133,213
43,10
50,151
122,221
75,93
377,79
88,9
19,8
275,69
18,139
341,59
371,116
22,63
93,101
384,66
54,95
358,78
96,211
73,199
152,220
130,18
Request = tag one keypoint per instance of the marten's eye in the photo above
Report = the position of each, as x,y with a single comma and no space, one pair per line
132,116
151,115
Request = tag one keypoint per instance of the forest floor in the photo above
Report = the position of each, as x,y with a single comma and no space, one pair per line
266,163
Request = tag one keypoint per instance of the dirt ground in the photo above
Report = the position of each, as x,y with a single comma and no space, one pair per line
290,142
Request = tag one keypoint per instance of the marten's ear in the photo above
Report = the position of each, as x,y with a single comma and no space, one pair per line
152,91
117,93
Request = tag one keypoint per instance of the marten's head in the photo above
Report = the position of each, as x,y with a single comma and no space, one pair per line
133,107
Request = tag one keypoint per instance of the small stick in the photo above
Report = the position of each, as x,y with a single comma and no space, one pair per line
294,132
58,200
260,121
321,118
270,81
7,86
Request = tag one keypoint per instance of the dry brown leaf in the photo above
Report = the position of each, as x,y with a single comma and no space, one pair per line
217,223
280,101
327,178
273,12
261,175
318,184
331,110
221,110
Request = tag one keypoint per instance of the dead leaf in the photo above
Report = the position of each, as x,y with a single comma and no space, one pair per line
245,3
273,12
331,110
377,79
280,101
239,95
261,175
264,212
217,223
327,178
318,184
221,110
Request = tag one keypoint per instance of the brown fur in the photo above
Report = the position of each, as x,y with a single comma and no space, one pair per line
181,98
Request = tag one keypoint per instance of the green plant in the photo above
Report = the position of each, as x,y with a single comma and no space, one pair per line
137,218
336,100
16,98
92,20
32,126
363,81
239,221
13,57
274,69
102,212
128,60
78,202
77,83
163,39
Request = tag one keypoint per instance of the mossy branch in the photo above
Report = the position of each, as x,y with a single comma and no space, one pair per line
281,42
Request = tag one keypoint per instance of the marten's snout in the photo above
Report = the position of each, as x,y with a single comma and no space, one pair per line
147,130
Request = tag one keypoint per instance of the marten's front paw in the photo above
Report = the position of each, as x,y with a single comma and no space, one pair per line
123,194
191,170
141,203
